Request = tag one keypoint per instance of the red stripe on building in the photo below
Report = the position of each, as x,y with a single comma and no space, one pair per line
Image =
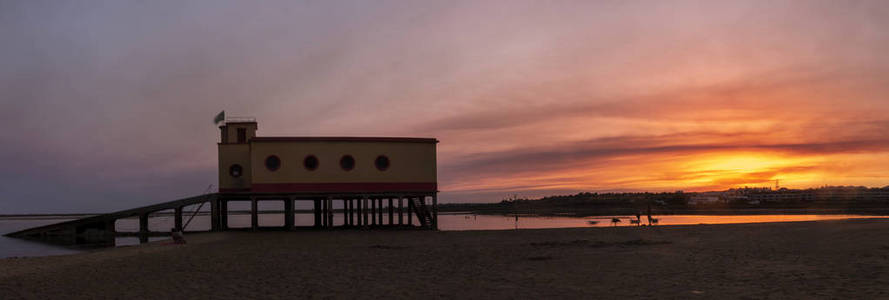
344,187
341,139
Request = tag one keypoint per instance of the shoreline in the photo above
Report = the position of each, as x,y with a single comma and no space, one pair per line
840,258
715,212
581,213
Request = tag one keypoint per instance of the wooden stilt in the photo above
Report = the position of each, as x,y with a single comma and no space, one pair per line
109,227
223,214
360,211
380,215
352,212
345,213
324,213
177,218
143,228
215,214
329,213
400,211
391,213
435,211
380,212
288,213
317,212
346,220
410,212
254,214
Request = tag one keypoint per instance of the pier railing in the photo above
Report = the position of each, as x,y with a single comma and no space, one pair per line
100,229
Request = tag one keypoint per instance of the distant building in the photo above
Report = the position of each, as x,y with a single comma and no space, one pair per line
704,199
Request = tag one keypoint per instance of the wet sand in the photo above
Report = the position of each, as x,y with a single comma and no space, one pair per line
825,259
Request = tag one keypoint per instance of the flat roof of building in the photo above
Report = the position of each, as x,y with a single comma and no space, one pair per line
342,139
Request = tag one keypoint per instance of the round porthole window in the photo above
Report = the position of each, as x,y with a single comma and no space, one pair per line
347,162
273,163
235,170
310,162
382,163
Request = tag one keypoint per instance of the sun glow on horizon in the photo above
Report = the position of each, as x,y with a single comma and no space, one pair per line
691,172
727,170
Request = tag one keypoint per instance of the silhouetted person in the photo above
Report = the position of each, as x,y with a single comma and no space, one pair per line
516,221
649,215
177,236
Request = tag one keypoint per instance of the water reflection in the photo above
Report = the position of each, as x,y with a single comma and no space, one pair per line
10,247
451,222
491,222
499,222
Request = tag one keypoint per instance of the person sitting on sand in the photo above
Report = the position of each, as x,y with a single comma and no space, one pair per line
177,236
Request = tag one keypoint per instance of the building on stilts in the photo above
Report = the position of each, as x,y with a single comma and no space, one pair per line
342,182
350,181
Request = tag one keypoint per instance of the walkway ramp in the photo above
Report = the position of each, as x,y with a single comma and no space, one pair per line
99,230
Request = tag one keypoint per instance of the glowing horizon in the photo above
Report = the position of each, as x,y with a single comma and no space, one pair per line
527,98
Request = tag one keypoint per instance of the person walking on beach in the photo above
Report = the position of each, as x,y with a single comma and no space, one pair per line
649,215
517,221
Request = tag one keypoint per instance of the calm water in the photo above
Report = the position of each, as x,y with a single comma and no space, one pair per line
10,247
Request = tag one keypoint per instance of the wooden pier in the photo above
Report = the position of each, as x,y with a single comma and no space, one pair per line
358,210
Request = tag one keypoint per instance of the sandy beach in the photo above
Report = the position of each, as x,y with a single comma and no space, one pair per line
828,259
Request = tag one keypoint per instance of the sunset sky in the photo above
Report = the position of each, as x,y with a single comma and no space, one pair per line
107,105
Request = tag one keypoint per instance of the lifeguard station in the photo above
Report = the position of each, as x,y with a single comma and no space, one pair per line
376,182
364,174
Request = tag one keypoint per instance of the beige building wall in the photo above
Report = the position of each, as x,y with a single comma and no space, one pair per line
230,154
410,162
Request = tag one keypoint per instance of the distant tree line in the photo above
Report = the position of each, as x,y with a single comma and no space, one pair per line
843,197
